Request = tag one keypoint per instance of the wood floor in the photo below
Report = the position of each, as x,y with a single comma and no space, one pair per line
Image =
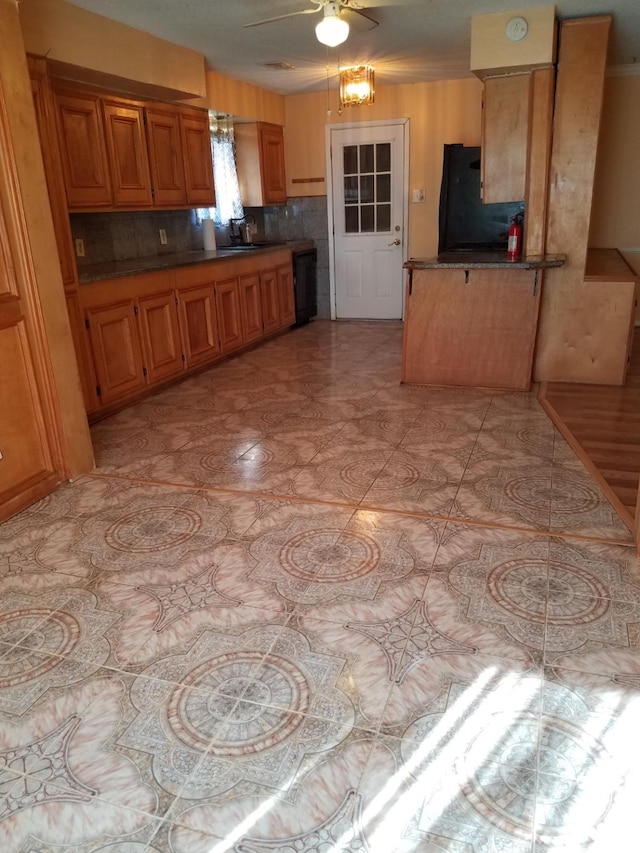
603,425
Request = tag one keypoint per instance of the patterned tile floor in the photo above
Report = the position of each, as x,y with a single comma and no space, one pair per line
302,608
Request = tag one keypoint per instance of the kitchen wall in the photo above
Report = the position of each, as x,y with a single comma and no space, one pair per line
443,112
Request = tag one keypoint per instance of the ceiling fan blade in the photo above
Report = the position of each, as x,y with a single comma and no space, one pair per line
282,17
358,19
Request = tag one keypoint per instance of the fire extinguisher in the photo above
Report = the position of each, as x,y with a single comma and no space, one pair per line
514,243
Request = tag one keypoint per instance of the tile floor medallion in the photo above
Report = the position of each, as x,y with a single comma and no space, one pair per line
300,607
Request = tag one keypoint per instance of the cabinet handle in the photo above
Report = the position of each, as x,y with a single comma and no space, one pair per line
466,276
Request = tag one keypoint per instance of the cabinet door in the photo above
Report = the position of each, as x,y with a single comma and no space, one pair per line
160,336
274,185
197,307
83,353
286,300
269,299
45,118
116,350
82,149
27,466
250,307
127,153
198,165
229,319
505,128
165,157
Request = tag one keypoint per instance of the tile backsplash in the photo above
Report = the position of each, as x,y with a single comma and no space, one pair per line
134,234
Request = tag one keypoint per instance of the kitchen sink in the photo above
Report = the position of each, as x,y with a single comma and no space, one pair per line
243,247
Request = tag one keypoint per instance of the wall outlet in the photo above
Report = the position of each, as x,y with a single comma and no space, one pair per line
79,248
163,237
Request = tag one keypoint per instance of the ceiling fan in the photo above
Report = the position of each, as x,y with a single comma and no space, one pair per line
333,29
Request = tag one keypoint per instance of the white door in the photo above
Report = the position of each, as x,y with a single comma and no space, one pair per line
368,206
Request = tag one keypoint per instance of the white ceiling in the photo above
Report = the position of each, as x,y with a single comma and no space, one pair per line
417,40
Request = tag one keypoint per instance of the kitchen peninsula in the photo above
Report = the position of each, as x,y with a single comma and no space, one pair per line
471,319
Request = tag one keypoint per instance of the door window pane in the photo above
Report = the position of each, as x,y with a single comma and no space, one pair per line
383,187
383,217
383,157
350,157
366,158
367,218
366,189
351,220
351,189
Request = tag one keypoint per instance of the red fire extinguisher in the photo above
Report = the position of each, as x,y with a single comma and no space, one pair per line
514,243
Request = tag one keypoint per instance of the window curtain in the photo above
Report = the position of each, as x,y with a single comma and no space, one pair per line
228,201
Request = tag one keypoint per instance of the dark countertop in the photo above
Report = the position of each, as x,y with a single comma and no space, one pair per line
118,269
482,260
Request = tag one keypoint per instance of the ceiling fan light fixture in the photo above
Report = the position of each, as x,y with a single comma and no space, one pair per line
332,29
357,85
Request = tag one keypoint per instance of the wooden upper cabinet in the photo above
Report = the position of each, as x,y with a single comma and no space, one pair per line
82,149
127,153
198,162
505,128
165,157
274,185
260,160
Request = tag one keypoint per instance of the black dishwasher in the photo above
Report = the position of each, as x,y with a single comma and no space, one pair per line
305,284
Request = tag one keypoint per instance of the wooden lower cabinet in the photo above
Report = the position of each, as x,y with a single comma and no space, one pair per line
198,324
116,350
149,328
229,315
83,352
286,301
250,307
160,336
269,299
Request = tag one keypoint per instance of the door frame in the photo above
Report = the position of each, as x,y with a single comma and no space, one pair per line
358,125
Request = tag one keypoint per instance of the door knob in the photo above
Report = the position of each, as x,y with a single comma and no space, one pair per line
396,242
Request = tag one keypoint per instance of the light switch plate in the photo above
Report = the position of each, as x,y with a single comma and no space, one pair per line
418,196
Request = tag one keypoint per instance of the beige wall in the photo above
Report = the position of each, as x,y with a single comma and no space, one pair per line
226,95
615,218
74,37
438,113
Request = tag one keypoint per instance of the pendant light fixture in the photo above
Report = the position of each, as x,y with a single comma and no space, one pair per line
356,85
332,29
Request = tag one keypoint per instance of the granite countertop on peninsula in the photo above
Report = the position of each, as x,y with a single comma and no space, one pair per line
482,260
170,260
